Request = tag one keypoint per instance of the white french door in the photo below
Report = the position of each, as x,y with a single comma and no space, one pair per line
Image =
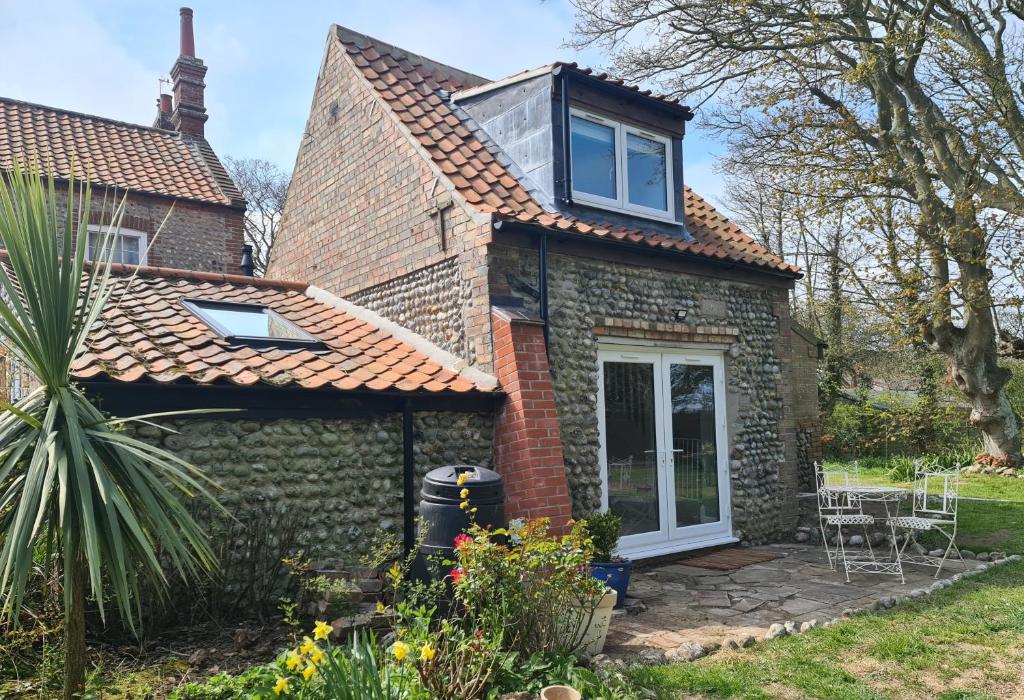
664,455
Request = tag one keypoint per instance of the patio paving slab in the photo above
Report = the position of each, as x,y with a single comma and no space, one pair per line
689,604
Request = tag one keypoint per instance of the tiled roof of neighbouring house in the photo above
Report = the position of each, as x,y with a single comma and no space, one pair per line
112,153
147,335
418,92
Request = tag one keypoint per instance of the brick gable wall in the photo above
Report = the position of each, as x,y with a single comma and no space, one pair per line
367,215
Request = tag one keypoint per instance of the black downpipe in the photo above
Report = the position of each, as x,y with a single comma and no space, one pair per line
408,481
566,143
542,286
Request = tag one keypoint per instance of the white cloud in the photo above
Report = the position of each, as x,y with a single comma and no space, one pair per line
58,54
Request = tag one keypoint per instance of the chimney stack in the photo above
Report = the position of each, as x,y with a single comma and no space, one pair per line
189,115
163,112
188,39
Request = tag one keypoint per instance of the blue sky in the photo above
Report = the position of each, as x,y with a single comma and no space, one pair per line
105,57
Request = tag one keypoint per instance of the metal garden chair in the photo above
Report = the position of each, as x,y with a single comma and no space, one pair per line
931,513
838,507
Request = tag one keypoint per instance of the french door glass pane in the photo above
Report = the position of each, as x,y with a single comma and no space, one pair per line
593,158
694,450
631,445
647,169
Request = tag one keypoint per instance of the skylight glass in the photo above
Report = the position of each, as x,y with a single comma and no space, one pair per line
252,322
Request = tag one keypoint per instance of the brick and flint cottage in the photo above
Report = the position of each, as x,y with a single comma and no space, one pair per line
508,273
540,229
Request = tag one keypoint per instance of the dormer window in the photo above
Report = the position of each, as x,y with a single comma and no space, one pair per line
621,167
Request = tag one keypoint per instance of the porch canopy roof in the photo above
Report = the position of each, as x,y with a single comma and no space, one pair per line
148,335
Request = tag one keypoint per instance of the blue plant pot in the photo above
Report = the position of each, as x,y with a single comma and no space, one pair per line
615,575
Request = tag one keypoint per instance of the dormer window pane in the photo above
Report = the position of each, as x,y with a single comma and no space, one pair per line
647,168
593,158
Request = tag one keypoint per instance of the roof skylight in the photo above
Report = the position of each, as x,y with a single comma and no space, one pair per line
251,323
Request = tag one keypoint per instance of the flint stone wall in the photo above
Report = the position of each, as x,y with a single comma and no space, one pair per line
429,302
345,474
583,291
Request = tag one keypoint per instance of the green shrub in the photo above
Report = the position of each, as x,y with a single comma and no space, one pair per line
894,424
228,687
603,530
901,468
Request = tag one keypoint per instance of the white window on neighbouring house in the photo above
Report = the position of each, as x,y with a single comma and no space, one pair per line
129,245
619,166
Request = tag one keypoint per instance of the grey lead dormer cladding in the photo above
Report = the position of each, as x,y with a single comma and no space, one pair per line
524,117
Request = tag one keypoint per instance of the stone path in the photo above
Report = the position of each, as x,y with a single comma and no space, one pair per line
688,604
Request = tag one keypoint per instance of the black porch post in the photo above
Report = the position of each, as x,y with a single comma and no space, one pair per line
408,481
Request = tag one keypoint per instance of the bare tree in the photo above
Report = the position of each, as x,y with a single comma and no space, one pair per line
918,101
264,186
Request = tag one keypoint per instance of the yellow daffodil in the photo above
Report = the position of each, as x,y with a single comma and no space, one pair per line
464,493
464,505
380,607
308,672
463,478
400,650
427,653
316,657
322,630
293,661
308,646
472,510
281,686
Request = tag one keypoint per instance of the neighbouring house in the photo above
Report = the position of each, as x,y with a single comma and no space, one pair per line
539,228
167,165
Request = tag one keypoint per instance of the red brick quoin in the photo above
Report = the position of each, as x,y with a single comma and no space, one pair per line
527,440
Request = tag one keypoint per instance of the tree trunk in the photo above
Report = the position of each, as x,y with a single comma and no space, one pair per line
975,366
978,375
74,631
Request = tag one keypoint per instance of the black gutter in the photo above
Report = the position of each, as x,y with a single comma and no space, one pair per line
538,229
267,403
408,481
542,286
566,147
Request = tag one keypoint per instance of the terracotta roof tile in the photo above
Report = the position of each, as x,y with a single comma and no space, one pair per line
129,345
113,153
487,185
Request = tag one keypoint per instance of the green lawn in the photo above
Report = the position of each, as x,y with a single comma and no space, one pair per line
966,642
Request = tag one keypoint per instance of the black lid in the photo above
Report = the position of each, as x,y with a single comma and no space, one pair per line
442,484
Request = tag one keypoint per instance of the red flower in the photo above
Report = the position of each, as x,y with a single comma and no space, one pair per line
462,539
456,575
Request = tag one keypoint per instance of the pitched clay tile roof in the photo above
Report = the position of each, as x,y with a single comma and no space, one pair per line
113,153
150,336
418,90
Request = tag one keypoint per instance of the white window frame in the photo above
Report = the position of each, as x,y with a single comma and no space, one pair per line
142,237
622,203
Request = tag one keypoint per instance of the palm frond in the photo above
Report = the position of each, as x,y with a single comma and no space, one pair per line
116,503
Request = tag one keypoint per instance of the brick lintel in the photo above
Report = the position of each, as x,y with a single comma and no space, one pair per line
658,330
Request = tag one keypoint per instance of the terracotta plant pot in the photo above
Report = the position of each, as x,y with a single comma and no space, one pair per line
560,692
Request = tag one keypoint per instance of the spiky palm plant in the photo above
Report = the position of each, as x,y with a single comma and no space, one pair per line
70,475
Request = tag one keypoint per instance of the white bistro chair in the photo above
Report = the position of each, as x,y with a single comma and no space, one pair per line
840,508
931,513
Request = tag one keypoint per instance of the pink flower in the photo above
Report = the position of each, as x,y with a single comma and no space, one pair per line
456,575
461,540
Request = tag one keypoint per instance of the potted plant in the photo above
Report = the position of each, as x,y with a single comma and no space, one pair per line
603,530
